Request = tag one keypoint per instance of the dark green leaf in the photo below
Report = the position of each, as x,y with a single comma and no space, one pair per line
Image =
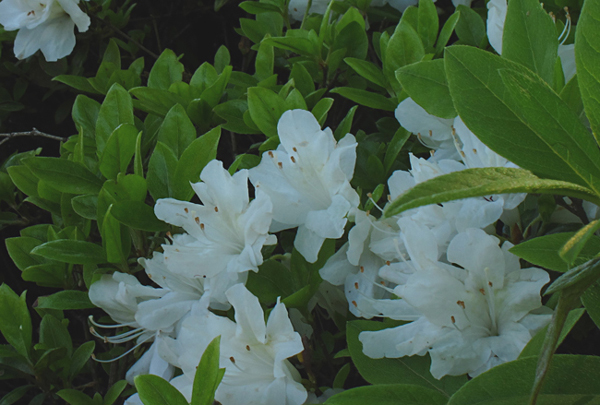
153,390
68,299
15,322
161,172
19,250
81,355
71,251
392,394
113,393
470,27
366,98
64,175
177,131
116,109
137,215
54,334
534,346
573,247
166,70
118,151
265,107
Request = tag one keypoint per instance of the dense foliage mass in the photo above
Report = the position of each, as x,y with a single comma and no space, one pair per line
339,202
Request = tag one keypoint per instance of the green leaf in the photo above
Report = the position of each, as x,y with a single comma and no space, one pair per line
368,70
161,172
366,98
71,251
85,206
77,82
573,247
301,46
534,346
15,395
392,394
345,125
404,48
577,279
177,131
137,215
530,38
156,101
116,239
233,112
428,23
571,379
85,114
54,334
410,370
265,107
591,301
64,175
68,299
19,250
265,58
587,56
394,147
166,71
425,82
480,98
543,251
555,124
81,355
446,32
113,393
208,375
272,280
116,109
154,390
15,321
118,151
193,160
470,27
480,183
74,397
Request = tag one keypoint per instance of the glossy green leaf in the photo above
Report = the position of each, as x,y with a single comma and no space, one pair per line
177,131
64,175
19,250
543,250
54,334
85,205
71,251
591,301
166,70
470,27
80,357
156,101
161,172
67,299
154,390
116,109
74,397
368,70
530,38
265,107
85,114
193,160
366,98
573,247
425,82
480,183
555,124
428,23
118,151
480,98
15,321
208,375
446,32
137,215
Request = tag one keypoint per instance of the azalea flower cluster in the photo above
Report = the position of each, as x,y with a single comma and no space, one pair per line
437,268
304,183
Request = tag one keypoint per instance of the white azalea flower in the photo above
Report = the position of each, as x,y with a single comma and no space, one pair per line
225,235
252,353
495,23
433,132
308,180
567,60
45,25
473,317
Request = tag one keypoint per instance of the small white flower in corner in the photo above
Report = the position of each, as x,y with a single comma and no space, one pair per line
45,25
308,180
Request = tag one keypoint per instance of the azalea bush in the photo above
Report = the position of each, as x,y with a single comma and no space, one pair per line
359,201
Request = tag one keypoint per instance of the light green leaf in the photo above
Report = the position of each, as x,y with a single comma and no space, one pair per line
428,23
208,375
118,151
166,71
265,107
482,182
194,158
573,247
177,131
116,109
543,250
154,390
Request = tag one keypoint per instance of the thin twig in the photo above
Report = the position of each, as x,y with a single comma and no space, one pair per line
33,132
